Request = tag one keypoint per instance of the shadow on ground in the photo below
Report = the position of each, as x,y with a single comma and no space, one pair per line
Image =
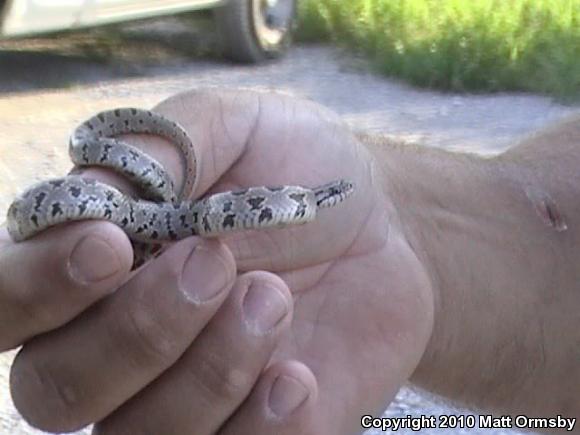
136,49
25,71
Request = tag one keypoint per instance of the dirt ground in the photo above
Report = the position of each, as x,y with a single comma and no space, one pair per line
47,87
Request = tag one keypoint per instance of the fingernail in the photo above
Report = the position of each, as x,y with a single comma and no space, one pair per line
205,274
264,307
286,395
93,260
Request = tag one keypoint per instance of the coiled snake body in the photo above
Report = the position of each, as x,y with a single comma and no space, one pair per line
163,215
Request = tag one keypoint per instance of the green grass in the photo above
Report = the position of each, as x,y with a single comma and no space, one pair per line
459,45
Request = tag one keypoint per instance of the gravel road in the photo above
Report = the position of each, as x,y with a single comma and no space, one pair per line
45,93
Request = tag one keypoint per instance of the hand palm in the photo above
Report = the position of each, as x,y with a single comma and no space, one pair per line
354,278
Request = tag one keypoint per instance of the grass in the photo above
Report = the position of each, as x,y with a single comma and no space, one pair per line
459,45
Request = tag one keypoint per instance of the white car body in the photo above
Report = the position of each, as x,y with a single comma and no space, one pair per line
29,17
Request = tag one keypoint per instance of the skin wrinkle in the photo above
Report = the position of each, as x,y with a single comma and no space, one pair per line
498,365
330,266
316,325
542,363
364,226
374,176
393,190
322,329
148,348
23,302
413,236
223,128
520,372
460,300
393,186
223,123
173,273
242,151
270,236
346,253
33,312
312,274
242,246
228,382
299,296
66,398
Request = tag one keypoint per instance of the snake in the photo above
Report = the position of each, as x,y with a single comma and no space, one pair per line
159,213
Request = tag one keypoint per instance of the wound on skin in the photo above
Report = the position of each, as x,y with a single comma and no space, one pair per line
547,210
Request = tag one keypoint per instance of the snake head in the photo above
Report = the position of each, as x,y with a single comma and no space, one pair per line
333,193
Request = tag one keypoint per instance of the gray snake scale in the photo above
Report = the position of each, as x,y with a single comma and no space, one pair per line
162,214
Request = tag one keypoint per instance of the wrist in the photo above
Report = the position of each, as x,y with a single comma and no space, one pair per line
496,265
437,197
400,191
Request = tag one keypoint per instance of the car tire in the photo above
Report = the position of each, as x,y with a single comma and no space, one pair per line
252,31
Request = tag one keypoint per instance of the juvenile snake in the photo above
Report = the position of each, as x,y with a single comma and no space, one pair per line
163,214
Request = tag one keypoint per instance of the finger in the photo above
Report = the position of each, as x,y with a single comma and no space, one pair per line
234,129
79,374
48,280
284,401
218,371
245,138
383,354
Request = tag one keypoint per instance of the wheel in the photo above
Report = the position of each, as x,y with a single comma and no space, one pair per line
255,30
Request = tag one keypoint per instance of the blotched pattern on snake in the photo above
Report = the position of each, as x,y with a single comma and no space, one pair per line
162,214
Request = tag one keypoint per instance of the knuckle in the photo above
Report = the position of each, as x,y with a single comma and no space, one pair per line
36,292
21,300
149,336
45,400
33,309
221,379
28,310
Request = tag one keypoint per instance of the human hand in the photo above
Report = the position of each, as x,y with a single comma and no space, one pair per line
362,301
